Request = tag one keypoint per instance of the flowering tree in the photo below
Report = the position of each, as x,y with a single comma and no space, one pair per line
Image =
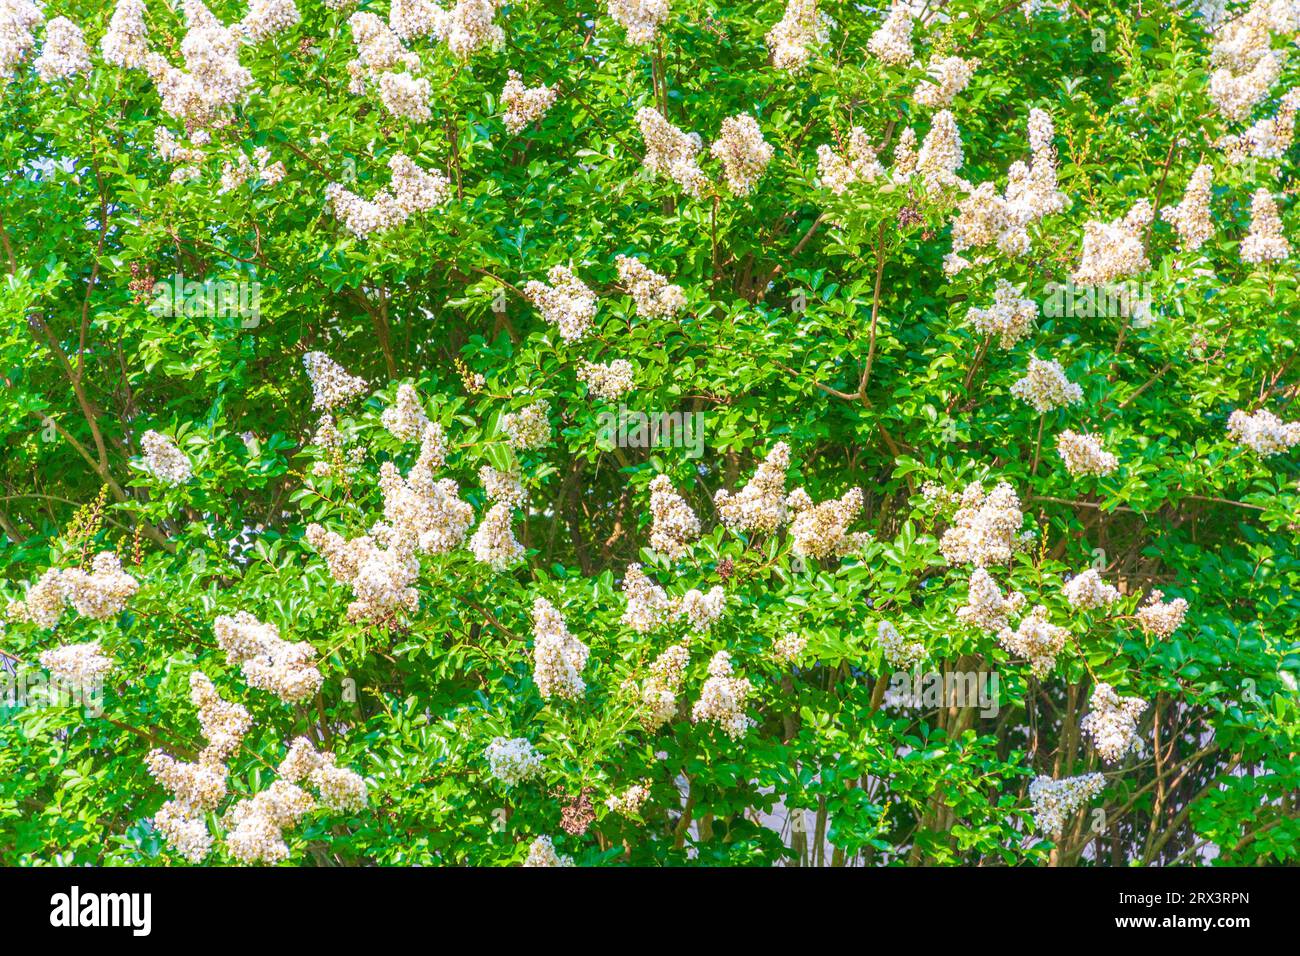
631,433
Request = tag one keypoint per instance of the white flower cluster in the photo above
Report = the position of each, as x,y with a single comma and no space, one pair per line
1087,591
987,219
412,19
722,698
65,52
1160,618
513,760
198,787
658,695
18,21
670,152
1246,66
528,428
266,18
743,152
1191,217
674,526
655,297
469,28
99,595
648,605
1114,250
380,578
542,853
1037,640
608,381
494,543
1268,138
641,18
760,506
269,663
558,656
79,666
858,163
800,29
340,789
630,801
1112,722
892,42
1010,317
256,824
1263,432
126,41
164,460
566,303
1045,386
821,530
213,78
411,190
405,418
702,608
948,76
502,486
234,175
940,155
897,651
985,528
1083,454
524,104
331,385
788,647
1264,242
1053,801
420,513
986,606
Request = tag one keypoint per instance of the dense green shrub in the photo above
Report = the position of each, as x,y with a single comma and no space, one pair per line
836,285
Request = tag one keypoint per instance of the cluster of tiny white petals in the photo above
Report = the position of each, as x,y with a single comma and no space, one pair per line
1112,723
469,28
502,486
1083,454
1010,317
702,608
1053,801
1263,432
892,42
164,460
985,528
64,53
558,656
641,18
630,801
331,385
986,606
269,663
528,428
1235,94
524,104
125,43
788,647
494,543
542,853
18,21
674,526
609,381
213,78
654,296
722,698
100,594
820,530
1114,250
77,665
1045,386
1087,591
898,651
858,163
658,695
411,190
411,19
1036,639
379,48
566,303
743,152
256,824
266,18
940,155
512,760
1160,618
1264,242
670,152
339,788
405,418
648,605
949,75
1191,217
380,578
1267,138
800,29
759,506
406,96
